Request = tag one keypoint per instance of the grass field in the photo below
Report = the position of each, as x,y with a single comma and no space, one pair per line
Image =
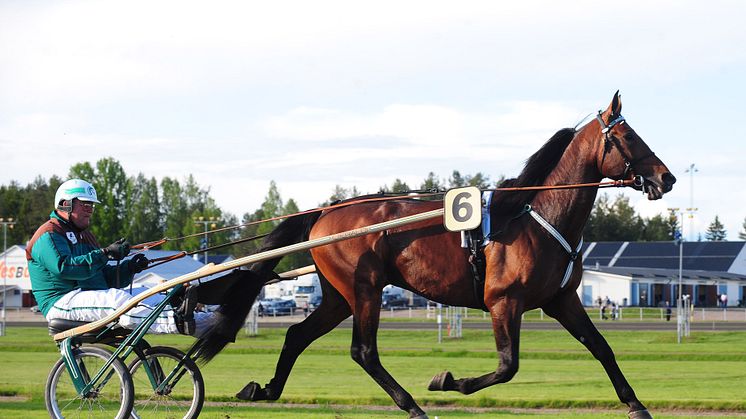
707,373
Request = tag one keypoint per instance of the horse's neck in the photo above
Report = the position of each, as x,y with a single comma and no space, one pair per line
568,209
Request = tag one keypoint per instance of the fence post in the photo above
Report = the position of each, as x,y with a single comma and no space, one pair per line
440,323
252,322
640,313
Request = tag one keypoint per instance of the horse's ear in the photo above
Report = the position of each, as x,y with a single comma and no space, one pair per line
616,104
614,109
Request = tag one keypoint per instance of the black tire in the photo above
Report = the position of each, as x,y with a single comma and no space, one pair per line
182,400
113,399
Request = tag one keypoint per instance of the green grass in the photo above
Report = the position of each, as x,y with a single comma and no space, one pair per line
35,410
707,372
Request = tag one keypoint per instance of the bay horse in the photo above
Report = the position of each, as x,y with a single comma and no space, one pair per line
525,264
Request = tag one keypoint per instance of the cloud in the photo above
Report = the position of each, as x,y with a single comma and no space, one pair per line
422,124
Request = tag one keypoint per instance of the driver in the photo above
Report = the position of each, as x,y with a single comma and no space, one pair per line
70,275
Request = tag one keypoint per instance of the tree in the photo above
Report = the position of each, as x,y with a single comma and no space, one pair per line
479,180
175,212
673,223
271,207
742,234
29,206
432,183
716,231
456,180
143,210
341,193
656,229
614,222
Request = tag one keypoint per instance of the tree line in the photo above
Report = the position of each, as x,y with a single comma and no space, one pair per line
144,209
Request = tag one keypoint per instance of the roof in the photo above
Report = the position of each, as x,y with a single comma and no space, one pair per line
217,259
666,275
697,256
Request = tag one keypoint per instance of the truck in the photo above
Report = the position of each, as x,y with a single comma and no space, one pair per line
394,297
307,291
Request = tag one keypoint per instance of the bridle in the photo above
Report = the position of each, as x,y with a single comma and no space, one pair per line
611,140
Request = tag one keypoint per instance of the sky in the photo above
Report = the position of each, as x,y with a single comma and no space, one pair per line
324,93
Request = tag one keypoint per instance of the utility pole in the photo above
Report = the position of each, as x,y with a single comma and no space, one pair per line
681,317
691,170
205,241
6,223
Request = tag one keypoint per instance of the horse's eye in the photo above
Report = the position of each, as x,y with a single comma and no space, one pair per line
630,136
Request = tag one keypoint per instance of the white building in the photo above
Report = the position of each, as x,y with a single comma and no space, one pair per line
647,273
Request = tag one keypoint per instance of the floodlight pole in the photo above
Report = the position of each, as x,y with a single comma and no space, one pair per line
679,299
205,222
691,170
5,223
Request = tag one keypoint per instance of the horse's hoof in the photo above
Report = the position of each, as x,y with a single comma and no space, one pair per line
422,416
250,392
640,414
441,382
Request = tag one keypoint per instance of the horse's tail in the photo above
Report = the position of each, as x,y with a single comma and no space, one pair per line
246,285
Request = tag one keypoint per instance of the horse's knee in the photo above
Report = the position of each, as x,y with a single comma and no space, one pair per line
356,354
363,355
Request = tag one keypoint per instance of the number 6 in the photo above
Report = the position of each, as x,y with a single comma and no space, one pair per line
460,213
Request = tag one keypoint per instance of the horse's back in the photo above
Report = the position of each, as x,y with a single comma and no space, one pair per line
422,256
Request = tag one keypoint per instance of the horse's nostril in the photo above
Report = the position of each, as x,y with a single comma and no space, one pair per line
668,178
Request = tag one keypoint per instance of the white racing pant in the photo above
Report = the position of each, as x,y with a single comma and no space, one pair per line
89,306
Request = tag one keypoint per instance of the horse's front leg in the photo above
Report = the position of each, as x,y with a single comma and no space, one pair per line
568,310
506,324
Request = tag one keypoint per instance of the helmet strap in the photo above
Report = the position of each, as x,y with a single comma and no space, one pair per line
65,206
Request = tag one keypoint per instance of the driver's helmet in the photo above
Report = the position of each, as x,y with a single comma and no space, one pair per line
74,189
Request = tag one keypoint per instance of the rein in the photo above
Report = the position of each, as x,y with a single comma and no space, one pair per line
636,181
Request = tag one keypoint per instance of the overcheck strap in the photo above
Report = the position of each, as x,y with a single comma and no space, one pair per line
556,234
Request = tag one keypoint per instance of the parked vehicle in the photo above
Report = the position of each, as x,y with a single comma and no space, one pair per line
276,307
315,302
394,297
306,289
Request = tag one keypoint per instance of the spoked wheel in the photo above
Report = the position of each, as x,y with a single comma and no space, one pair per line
112,397
181,397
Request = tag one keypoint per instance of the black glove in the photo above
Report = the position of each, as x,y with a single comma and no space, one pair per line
117,250
138,263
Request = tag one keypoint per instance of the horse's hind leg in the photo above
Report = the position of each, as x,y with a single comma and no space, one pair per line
506,324
332,310
364,348
364,351
568,310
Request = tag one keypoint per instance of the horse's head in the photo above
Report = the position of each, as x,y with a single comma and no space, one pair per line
624,154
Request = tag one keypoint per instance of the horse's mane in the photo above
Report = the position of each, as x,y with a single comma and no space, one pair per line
507,204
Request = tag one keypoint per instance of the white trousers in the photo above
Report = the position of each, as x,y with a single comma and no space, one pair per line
89,306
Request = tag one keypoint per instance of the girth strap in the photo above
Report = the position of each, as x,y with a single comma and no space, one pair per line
556,234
